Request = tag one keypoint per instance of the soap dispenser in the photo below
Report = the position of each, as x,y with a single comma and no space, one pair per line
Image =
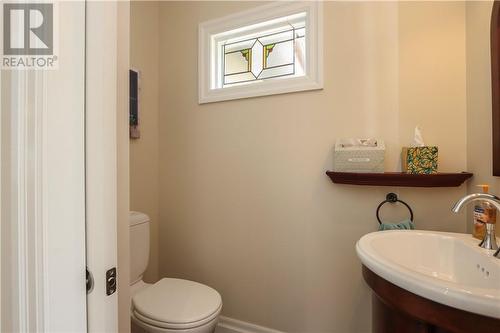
484,213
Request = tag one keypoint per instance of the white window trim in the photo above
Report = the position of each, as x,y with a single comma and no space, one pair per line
313,79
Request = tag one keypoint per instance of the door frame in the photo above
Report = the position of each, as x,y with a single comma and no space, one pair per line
107,189
108,36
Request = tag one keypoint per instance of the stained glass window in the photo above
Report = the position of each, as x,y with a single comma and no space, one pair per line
277,50
271,49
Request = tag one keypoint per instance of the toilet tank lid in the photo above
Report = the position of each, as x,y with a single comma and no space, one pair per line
136,218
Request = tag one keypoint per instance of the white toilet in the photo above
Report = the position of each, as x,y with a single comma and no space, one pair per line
169,305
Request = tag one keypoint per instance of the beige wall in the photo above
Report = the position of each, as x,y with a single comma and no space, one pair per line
144,176
479,149
432,94
244,203
432,77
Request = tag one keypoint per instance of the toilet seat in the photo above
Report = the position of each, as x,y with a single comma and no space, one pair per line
176,304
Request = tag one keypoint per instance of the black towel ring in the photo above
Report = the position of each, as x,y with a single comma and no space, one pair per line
393,198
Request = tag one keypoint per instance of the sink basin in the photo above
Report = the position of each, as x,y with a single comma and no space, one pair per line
448,268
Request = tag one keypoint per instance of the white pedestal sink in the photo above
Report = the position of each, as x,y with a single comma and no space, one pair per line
447,268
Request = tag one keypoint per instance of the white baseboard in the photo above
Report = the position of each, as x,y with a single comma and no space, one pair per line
230,325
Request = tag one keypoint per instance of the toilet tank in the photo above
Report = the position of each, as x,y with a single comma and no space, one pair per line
139,245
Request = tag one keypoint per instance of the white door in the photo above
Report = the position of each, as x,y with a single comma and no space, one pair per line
58,178
43,181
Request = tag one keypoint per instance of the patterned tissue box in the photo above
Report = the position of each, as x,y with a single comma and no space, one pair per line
420,160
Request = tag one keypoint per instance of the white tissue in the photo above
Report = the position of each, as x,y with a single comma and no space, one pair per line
418,140
358,143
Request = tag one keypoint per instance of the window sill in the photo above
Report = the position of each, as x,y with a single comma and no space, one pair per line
259,89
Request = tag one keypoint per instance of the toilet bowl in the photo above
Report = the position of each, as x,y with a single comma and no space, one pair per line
169,305
175,305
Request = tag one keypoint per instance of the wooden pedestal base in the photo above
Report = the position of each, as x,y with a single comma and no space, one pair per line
396,310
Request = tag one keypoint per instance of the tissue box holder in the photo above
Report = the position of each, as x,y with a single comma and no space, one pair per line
420,160
359,158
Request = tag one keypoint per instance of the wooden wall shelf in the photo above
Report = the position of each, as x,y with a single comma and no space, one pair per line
400,179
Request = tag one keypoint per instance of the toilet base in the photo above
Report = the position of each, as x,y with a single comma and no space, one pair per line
138,326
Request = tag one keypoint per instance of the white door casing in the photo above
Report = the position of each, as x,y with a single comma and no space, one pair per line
43,189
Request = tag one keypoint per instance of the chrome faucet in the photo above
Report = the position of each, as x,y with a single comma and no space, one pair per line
489,242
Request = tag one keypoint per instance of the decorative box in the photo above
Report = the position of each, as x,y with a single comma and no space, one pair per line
359,155
420,160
